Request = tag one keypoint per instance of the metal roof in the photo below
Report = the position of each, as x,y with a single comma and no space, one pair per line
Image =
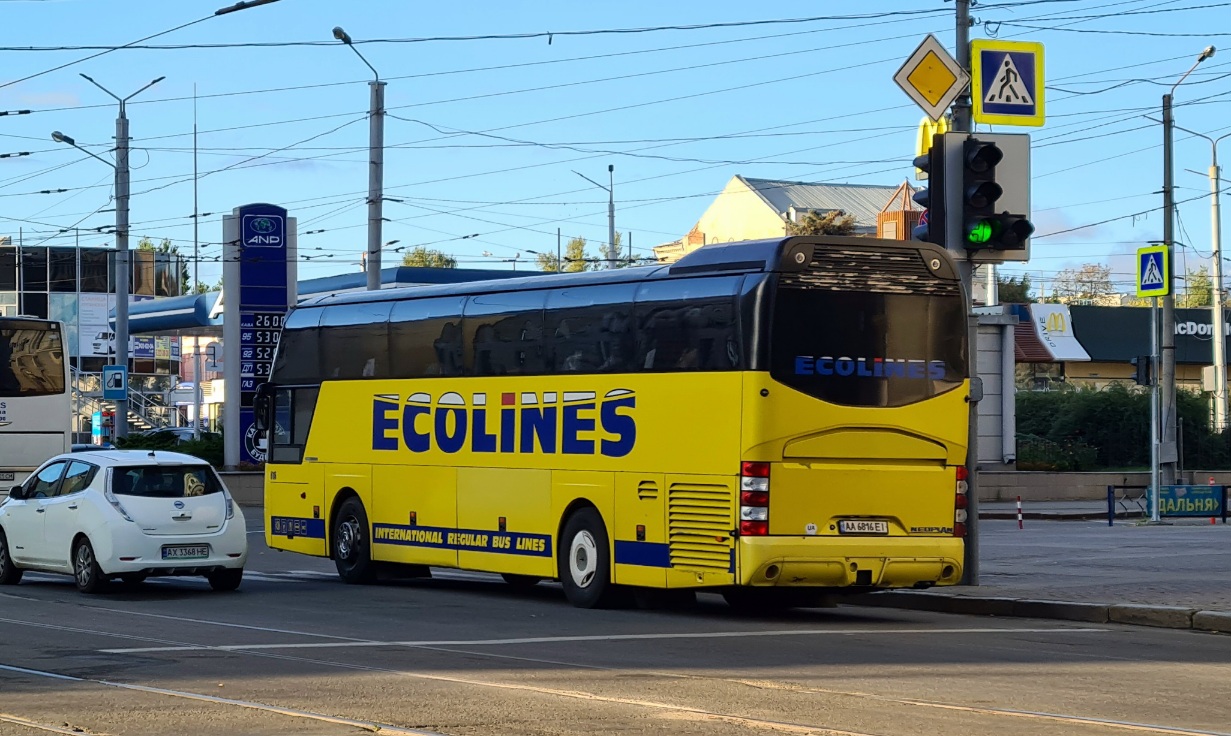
863,201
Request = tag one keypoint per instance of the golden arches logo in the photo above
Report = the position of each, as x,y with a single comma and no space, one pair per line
1056,322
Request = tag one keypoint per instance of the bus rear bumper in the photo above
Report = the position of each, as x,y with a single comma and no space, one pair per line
842,562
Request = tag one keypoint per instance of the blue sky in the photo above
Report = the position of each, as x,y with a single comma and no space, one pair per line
677,112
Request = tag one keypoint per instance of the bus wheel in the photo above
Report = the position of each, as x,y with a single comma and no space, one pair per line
583,561
521,582
352,554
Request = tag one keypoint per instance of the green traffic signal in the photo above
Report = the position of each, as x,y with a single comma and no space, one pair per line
979,232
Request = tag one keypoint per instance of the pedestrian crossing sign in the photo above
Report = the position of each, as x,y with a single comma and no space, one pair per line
1152,271
1007,82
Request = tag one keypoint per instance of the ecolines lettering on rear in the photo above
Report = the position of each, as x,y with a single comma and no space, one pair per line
807,365
568,422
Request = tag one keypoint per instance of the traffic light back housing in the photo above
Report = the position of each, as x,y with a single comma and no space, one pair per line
932,197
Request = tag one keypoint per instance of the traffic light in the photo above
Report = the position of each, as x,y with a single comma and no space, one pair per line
931,227
983,228
1142,365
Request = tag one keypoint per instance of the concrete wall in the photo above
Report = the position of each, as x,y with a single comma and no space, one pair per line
1036,486
248,488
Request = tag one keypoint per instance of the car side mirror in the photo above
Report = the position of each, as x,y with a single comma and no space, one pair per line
17,493
261,405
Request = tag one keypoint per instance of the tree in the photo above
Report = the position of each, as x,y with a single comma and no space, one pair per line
833,222
1199,289
575,258
1089,284
1014,289
421,257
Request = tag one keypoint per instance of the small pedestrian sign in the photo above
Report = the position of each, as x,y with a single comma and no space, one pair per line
115,383
1152,270
1008,82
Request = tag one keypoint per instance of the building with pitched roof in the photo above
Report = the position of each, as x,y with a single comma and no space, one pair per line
751,209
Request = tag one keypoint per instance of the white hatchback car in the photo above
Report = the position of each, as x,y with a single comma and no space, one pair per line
126,514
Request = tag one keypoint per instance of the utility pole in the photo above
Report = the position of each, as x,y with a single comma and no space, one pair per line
1220,317
611,241
1168,451
962,124
376,165
123,278
198,395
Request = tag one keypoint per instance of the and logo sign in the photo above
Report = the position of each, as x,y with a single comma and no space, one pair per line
1008,84
528,422
1153,268
263,231
115,383
932,78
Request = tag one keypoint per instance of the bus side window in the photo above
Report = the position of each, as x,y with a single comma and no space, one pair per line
298,357
589,329
504,334
355,340
688,325
425,337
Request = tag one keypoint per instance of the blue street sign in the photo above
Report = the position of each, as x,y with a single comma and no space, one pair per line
1152,269
115,383
1007,84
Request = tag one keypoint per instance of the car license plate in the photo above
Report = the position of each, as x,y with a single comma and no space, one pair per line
863,526
185,552
8,475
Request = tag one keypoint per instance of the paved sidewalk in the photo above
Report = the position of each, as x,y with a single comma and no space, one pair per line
1176,575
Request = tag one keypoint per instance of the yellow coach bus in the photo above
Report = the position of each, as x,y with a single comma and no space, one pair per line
757,419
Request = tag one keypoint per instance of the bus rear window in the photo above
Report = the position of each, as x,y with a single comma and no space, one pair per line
864,348
31,360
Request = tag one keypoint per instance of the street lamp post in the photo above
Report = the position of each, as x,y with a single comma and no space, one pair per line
1220,319
610,189
376,165
123,279
1168,451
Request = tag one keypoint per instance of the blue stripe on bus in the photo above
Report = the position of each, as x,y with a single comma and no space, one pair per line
472,540
645,554
294,526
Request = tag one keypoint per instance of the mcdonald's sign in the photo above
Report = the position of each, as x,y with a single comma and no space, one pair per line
927,129
1056,323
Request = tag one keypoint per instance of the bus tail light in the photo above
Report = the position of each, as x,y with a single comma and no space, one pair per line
960,502
753,499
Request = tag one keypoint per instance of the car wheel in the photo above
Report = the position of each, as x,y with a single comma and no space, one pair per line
521,582
10,574
583,562
89,576
225,580
352,554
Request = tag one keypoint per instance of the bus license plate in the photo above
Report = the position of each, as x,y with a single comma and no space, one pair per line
185,552
863,526
8,475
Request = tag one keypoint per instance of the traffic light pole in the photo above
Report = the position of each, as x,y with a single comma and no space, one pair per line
953,229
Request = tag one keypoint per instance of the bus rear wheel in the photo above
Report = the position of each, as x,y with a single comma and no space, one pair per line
583,562
352,554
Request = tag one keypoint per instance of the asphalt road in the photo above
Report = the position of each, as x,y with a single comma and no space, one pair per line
296,652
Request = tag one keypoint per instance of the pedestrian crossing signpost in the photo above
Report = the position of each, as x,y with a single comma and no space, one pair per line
1007,79
1152,268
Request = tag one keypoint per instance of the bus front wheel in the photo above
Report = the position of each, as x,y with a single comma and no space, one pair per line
583,561
352,554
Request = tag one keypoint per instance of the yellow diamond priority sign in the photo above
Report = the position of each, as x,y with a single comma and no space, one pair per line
932,78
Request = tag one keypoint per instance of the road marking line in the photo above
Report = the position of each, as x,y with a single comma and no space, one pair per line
8,718
279,710
206,622
597,637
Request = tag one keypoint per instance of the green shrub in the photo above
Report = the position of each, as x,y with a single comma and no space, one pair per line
208,448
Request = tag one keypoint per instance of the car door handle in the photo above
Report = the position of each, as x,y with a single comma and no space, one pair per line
42,511
73,507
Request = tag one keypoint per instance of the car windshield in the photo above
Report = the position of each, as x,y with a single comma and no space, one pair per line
164,481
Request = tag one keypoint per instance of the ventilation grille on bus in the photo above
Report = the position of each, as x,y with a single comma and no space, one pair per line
647,490
699,520
858,269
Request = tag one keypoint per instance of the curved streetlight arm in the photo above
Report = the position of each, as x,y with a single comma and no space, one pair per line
345,38
59,137
583,176
1207,53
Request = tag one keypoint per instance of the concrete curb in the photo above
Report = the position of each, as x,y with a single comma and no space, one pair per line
1056,516
1167,617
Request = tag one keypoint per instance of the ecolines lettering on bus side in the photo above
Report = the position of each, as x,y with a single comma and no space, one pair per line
807,365
524,423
